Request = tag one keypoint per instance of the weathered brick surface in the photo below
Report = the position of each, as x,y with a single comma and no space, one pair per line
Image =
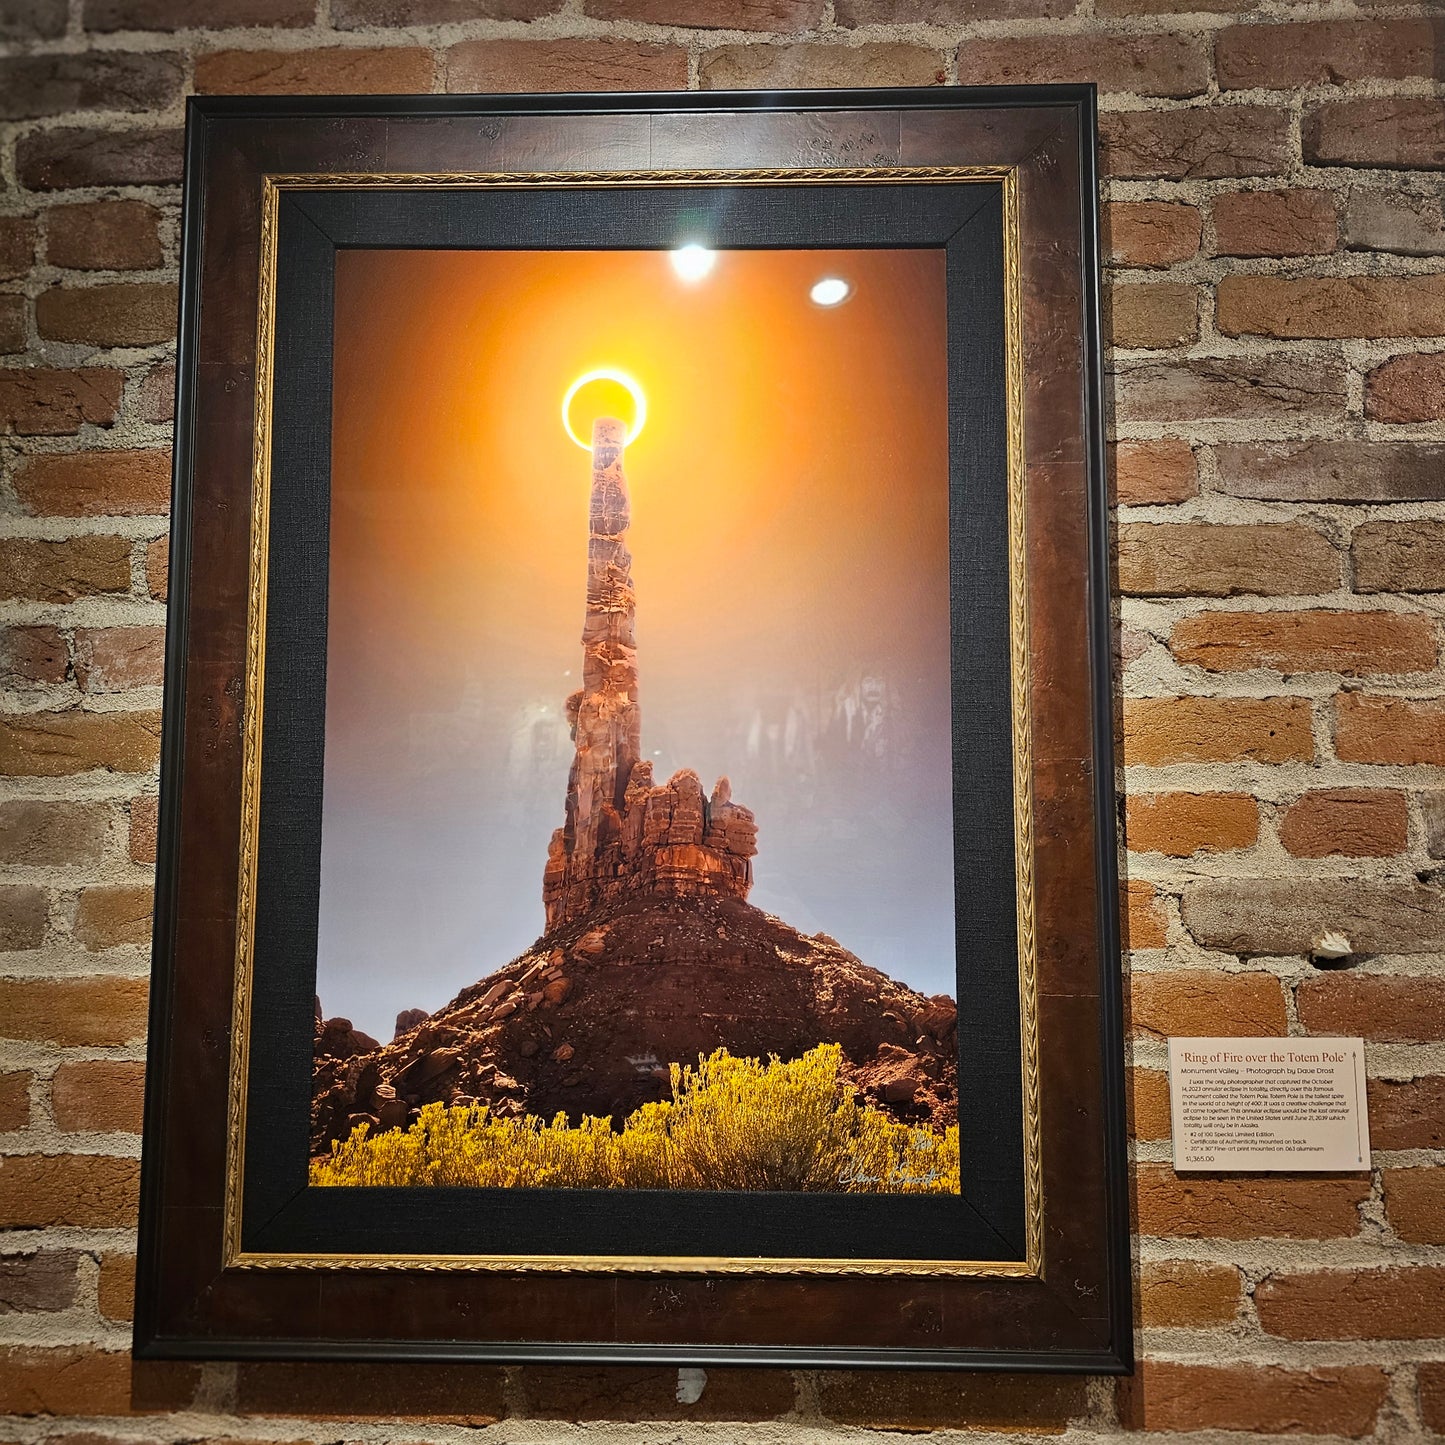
571,1393
1392,221
1151,233
17,245
38,85
1149,1103
395,70
1144,923
104,236
1408,1113
141,843
63,571
1415,1204
46,402
57,160
1207,1206
1181,824
1204,143
1431,1380
1330,52
92,1191
774,15
90,1011
1401,133
33,654
1159,471
1263,389
1274,223
98,1094
1371,729
1149,64
177,14
13,325
24,910
55,744
80,484
1432,806
755,67
1155,315
1183,1294
546,65
929,1401
1331,306
1217,730
1356,643
1198,1002
110,916
1407,389
78,1380
14,1100
1383,1007
358,14
1333,471
36,1281
112,659
158,562
115,1289
127,313
1185,559
1346,822
463,1394
1353,1304
1399,556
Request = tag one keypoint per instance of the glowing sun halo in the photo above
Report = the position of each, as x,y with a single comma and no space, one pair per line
606,380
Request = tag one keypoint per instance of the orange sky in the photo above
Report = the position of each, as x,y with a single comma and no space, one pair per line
789,540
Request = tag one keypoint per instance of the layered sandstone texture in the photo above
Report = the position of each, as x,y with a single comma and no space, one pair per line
1273,242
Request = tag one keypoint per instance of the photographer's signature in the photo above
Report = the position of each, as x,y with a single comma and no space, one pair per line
852,1172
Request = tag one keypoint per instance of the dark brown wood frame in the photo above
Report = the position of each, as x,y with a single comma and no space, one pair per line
1061,1298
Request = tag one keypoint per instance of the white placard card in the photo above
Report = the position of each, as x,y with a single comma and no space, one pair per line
1268,1104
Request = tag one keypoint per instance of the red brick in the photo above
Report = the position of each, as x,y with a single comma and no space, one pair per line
1154,472
1394,133
779,16
916,1402
115,1289
1357,643
945,12
38,401
23,913
763,67
640,1393
552,65
1275,223
13,335
158,563
1399,556
184,14
113,916
1407,1303
359,14
57,160
14,1101
104,236
1144,923
1415,1204
33,654
1326,52
143,829
1153,316
1150,233
80,1380
156,398
1203,1206
461,1394
1149,1101
1182,1294
1200,1002
38,834
89,1191
1199,559
1401,730
33,19
17,246
394,70
98,1094
57,744
1385,1008
1172,7
41,1281
1333,471
1265,1399
1217,730
1345,823
1407,388
122,313
95,1012
44,85
112,659
63,571
96,484
1198,143
1331,306
1432,805
1407,1113
1431,1379
1182,824
1269,388
1154,63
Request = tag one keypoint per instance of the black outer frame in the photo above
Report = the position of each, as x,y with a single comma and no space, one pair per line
150,1340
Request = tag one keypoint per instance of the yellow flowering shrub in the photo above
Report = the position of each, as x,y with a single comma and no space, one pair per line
731,1124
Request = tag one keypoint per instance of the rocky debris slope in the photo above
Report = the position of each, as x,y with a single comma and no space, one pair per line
588,1020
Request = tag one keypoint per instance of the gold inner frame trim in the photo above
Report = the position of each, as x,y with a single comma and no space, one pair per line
1032,1266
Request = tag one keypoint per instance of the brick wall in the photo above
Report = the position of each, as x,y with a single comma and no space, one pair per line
1277,327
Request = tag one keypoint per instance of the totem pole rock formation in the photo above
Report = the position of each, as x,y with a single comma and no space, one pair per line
622,832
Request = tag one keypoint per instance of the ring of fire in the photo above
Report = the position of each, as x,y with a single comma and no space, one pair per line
618,378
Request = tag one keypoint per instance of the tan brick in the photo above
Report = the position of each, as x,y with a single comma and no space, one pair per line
24,910
1182,1294
1201,1206
63,571
98,1011
1217,730
1275,223
115,1289
1394,221
113,916
1153,63
1415,1204
104,236
42,401
1394,133
81,1380
1198,143
1154,315
1331,306
33,655
14,1100
917,1401
1385,1008
1182,824
1327,52
103,1095
1199,559
17,246
1407,1113
337,70
1400,730
1399,556
40,1280
1407,388
462,1394
552,65
1356,643
1144,923
1431,1378
1345,823
112,659
611,1392
1154,472
143,819
1149,1096
1244,388
1432,805
96,484
158,564
183,14
1407,1303
1199,1002
779,16
1330,471
754,67
57,744
121,313
89,1191
1323,1400
1150,233
1286,915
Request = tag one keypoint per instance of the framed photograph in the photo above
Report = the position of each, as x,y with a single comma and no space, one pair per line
637,868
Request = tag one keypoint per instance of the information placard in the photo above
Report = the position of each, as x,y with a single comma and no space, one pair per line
1268,1104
